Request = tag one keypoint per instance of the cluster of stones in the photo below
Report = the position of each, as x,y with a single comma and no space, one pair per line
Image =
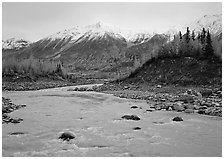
24,86
206,102
8,107
82,89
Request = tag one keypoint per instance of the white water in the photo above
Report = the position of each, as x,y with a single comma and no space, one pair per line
95,120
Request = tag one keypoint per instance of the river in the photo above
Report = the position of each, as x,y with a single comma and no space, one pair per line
95,119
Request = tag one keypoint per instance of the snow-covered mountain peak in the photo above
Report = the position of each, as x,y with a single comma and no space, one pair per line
99,30
104,27
14,43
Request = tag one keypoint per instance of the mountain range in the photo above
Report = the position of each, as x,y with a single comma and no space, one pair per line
102,46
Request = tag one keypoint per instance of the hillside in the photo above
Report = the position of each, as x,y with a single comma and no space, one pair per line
181,71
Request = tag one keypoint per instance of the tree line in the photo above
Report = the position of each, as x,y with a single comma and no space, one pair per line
189,45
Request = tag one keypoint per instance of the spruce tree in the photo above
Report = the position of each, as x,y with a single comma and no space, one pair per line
187,47
180,35
209,52
203,41
193,35
203,36
188,35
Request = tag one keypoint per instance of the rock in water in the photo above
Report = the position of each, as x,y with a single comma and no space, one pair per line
136,128
178,119
130,117
17,133
67,136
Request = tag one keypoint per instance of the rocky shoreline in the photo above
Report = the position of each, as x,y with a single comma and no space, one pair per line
8,107
44,83
26,86
201,100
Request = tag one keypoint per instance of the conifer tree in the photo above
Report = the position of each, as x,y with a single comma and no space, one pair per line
208,47
188,35
203,36
203,42
180,35
193,35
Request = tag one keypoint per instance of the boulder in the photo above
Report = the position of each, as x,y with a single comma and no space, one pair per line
178,107
169,108
186,98
208,111
149,110
188,106
201,111
207,104
134,107
67,136
203,107
196,107
178,119
17,133
15,121
216,113
136,128
130,117
158,107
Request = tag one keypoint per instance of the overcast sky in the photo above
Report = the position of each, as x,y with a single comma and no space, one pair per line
33,21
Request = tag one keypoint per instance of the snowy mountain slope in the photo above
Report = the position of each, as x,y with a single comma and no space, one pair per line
98,31
15,44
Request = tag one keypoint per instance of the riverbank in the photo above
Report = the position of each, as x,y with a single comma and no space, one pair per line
25,83
191,99
8,107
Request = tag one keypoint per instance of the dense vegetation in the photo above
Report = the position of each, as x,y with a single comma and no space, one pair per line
189,45
32,67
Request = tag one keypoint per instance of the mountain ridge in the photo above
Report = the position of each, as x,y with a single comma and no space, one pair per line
99,29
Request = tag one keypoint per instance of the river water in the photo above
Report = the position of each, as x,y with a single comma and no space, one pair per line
95,119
